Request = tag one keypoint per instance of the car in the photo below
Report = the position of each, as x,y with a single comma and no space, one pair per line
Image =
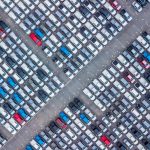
128,76
115,4
89,94
105,140
140,88
143,62
60,142
84,118
137,6
142,2
18,119
54,127
61,123
79,103
35,145
35,39
121,20
118,65
40,141
66,138
64,117
109,7
80,124
71,134
126,15
23,114
84,11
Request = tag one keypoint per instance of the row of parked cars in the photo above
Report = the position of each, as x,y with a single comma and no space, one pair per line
139,4
26,82
132,67
77,127
74,32
122,93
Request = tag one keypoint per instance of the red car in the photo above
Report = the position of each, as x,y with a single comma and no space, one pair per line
115,4
2,33
128,77
35,39
17,117
105,140
61,124
143,62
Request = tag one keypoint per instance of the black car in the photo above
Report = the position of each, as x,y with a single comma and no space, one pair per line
84,11
4,26
79,103
54,127
42,74
73,107
42,95
142,2
105,13
146,143
147,76
137,134
8,108
120,146
95,129
2,52
21,72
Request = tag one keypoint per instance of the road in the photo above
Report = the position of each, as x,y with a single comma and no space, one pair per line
74,88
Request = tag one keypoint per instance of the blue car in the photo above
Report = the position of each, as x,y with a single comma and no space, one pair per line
3,93
29,147
84,118
40,141
17,98
146,55
39,33
64,117
66,52
23,114
12,83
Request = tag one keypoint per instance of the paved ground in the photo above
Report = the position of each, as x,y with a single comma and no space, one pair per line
74,88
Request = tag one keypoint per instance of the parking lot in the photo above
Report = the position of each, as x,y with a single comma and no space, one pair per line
76,85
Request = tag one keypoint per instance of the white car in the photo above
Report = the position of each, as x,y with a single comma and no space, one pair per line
130,97
10,128
118,65
49,5
142,41
90,114
101,39
134,72
132,138
80,16
93,89
69,113
4,113
69,5
121,19
110,8
44,9
75,128
107,74
14,124
119,86
103,80
36,60
91,135
135,93
92,49
137,6
14,17
80,124
96,23
71,134
23,7
81,38
65,138
98,84
89,94
54,20
100,105
123,60
68,73
35,145
136,114
57,81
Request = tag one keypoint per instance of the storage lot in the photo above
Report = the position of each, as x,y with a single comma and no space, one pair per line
75,84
